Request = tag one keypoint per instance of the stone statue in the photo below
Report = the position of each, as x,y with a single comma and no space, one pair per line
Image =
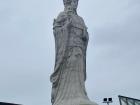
71,39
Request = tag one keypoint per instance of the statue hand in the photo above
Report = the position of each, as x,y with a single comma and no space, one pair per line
68,23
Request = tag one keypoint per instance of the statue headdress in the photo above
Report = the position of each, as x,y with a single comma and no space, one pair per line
67,2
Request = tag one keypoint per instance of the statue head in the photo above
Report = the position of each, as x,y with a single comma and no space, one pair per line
72,3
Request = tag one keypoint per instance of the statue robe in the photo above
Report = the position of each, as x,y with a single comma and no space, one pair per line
69,74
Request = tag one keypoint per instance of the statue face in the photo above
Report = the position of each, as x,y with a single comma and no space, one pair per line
72,3
69,9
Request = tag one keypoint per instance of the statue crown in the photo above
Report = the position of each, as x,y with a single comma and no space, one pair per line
68,1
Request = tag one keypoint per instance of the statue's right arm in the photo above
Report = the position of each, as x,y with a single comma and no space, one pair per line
62,22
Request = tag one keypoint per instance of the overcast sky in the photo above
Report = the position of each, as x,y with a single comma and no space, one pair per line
27,49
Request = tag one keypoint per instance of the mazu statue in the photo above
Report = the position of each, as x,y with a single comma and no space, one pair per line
71,40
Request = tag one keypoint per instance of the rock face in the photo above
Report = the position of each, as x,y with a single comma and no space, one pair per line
71,39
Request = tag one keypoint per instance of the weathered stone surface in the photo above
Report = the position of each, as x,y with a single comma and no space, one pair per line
71,39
